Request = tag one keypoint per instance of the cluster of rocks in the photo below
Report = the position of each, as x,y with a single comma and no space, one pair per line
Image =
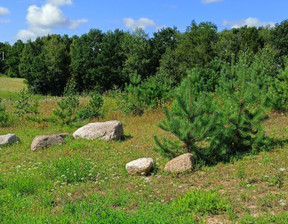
108,131
143,166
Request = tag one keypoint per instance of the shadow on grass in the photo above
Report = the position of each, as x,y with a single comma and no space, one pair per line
125,138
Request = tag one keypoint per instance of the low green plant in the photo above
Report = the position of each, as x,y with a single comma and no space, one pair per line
23,185
26,107
4,116
201,203
72,170
93,109
278,179
67,107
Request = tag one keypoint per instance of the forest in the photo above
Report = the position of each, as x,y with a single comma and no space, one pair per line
104,61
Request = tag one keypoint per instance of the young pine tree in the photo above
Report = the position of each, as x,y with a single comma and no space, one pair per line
241,105
66,111
191,119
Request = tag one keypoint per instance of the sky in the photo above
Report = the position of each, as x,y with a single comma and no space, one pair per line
28,19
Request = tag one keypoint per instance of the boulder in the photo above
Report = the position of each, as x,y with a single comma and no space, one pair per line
45,141
180,164
109,130
139,166
8,139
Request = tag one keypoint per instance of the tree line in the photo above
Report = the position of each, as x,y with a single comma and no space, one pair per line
102,61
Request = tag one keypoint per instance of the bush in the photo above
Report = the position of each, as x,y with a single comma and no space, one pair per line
192,119
149,93
227,122
4,117
93,109
241,106
278,91
66,111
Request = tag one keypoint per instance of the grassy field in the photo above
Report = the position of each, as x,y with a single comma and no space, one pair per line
84,181
10,86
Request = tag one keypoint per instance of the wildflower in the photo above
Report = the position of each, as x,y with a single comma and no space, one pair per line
282,169
282,202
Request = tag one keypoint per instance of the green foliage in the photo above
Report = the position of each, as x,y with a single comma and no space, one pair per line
278,91
66,111
149,93
44,64
25,106
279,38
241,108
13,59
227,122
192,119
201,203
138,54
72,170
93,109
4,116
194,49
23,186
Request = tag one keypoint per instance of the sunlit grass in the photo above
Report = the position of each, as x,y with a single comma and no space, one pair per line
84,180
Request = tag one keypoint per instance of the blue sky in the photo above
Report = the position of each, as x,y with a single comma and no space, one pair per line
27,19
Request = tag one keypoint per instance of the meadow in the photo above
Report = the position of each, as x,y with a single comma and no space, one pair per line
85,181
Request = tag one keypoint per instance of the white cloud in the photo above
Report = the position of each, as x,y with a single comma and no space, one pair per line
142,23
42,20
4,11
46,16
32,33
249,22
210,1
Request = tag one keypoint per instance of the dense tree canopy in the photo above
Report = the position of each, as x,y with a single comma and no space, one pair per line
98,60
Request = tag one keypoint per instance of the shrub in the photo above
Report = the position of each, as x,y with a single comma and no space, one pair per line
93,109
278,91
4,117
241,106
25,105
192,119
66,111
149,93
227,122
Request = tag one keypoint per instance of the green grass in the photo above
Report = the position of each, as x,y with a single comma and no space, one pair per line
10,86
85,181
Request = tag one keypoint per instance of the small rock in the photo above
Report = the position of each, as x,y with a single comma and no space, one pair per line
45,141
180,164
139,166
8,139
109,130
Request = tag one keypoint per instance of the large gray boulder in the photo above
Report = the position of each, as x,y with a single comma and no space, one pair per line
45,141
180,164
8,139
109,130
139,166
